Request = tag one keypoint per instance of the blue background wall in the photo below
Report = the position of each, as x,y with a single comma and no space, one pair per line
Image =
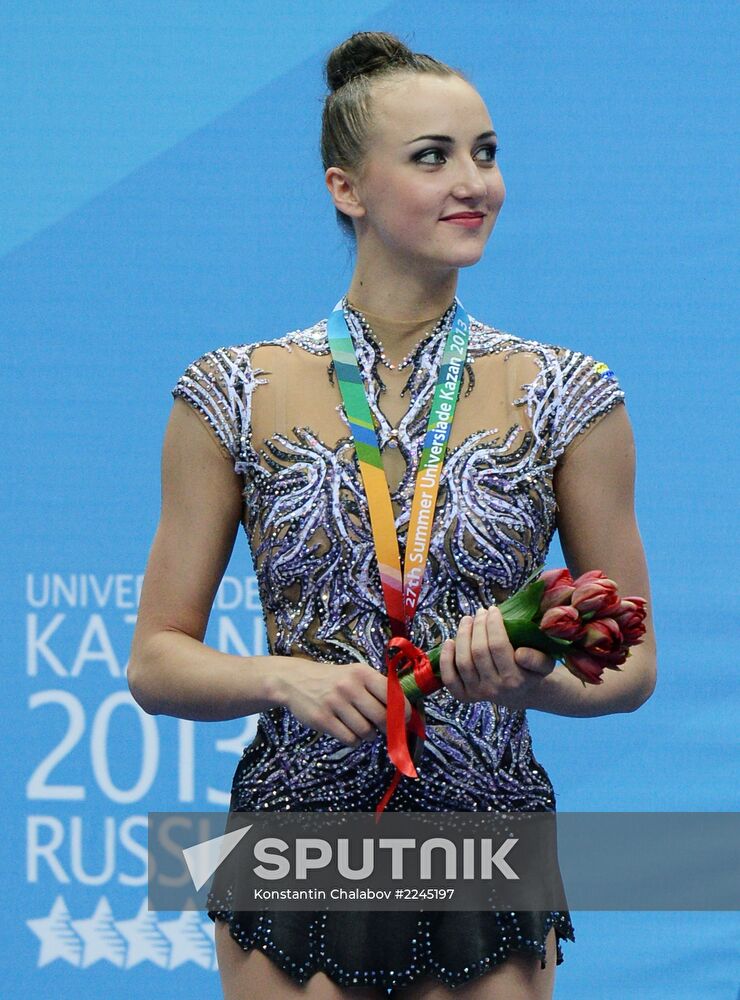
163,193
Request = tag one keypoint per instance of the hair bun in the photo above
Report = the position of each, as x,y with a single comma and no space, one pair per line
363,53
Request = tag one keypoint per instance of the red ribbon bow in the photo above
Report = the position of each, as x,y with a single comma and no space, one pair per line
406,655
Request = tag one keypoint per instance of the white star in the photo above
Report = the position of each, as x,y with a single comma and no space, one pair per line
57,937
102,940
190,943
146,943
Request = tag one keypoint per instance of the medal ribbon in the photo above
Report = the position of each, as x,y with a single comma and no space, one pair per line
401,592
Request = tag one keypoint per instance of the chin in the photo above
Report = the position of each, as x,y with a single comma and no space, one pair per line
467,259
451,259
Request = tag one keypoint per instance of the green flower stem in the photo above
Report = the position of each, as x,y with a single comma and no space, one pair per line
528,634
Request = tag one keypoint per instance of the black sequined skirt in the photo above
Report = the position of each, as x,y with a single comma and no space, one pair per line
393,949
381,948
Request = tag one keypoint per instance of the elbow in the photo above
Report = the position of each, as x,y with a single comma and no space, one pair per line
141,694
643,691
639,699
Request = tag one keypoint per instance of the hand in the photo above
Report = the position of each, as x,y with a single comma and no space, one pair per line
480,664
347,701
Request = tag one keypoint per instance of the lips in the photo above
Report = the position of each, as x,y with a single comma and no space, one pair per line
463,215
465,220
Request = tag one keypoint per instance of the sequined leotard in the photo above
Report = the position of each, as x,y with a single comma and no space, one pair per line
275,408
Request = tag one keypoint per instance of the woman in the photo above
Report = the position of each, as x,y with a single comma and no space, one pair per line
259,432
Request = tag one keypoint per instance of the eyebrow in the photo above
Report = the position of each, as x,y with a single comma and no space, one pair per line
449,139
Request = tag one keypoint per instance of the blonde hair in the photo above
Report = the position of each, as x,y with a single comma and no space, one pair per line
349,72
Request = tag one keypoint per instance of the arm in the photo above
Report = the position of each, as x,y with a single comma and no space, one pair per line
171,671
594,488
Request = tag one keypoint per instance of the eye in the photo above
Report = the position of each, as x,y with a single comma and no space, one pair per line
435,151
491,148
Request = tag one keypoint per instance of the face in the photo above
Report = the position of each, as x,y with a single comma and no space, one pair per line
431,156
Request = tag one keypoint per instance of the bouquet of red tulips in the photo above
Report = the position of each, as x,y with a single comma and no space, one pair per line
582,623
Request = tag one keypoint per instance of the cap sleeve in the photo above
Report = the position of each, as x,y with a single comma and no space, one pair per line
219,386
586,390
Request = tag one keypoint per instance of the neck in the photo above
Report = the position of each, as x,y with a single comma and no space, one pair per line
398,293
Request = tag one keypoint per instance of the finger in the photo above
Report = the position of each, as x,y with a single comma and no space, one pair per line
480,647
375,710
360,727
534,660
377,684
377,687
335,728
447,671
464,664
501,650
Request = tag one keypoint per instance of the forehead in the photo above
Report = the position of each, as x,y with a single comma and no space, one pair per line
422,103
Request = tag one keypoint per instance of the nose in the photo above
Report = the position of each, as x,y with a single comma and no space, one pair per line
469,181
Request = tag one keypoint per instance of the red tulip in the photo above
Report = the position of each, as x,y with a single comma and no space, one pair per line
586,668
595,593
630,618
562,622
601,635
636,604
559,587
614,660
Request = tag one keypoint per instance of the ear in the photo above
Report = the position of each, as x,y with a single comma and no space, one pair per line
343,192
